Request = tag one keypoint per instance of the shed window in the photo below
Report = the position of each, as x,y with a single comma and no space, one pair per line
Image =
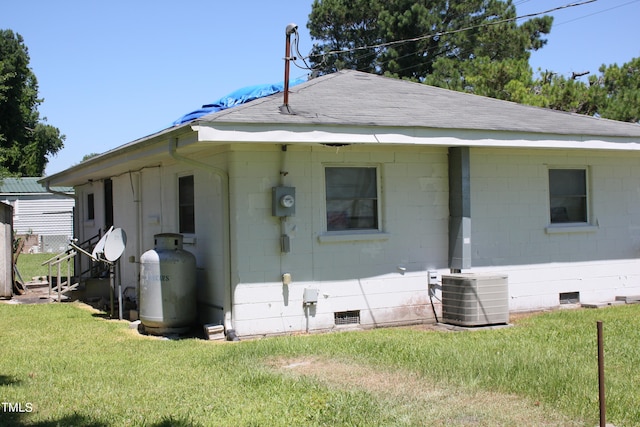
568,195
352,198
186,204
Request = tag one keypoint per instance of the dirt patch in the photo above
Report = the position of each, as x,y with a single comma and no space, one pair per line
427,403
349,375
33,294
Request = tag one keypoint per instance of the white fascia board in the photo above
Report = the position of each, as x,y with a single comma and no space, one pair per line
520,141
431,137
270,135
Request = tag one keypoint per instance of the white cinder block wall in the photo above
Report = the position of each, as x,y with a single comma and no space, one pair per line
510,216
384,276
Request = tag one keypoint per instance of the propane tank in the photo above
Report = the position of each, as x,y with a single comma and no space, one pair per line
167,287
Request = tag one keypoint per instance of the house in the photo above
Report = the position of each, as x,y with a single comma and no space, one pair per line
332,209
42,217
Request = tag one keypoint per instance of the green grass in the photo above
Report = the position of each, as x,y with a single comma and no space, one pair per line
30,266
76,368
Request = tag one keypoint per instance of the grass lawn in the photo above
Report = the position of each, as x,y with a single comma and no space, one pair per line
30,266
66,365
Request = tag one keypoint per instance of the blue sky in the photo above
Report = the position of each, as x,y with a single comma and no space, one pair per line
112,72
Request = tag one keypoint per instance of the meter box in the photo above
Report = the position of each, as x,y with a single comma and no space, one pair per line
283,201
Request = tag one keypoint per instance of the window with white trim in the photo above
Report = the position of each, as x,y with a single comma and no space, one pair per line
351,198
568,196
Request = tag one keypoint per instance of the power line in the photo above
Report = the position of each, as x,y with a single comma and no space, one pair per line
599,12
443,33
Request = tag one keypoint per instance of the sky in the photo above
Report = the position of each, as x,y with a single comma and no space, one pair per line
111,72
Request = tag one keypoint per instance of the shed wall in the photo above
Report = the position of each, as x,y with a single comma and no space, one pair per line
6,251
48,217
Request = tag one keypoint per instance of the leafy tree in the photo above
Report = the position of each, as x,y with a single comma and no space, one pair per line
25,140
438,41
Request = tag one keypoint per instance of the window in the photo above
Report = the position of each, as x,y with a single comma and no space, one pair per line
108,203
186,205
352,198
568,195
91,207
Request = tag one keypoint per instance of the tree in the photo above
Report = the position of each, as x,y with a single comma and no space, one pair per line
25,140
434,40
502,79
349,26
89,156
616,92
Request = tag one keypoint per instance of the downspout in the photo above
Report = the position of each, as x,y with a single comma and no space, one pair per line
459,209
224,178
137,199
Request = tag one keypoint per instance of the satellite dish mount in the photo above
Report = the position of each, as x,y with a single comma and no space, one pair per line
108,250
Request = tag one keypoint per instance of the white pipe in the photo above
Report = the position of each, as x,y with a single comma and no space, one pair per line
224,178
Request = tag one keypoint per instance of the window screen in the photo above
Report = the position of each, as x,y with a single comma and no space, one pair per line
352,199
186,204
568,195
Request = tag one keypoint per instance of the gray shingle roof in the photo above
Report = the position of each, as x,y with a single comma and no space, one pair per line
352,98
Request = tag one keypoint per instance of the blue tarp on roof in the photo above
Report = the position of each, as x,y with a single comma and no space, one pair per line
240,96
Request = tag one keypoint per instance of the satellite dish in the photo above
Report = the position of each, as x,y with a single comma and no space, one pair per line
114,244
98,249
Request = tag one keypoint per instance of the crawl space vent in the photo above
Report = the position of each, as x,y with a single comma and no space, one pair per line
569,297
351,317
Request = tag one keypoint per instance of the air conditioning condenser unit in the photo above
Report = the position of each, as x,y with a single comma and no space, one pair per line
470,299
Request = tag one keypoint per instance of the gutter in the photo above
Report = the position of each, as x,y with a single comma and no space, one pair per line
59,193
224,178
